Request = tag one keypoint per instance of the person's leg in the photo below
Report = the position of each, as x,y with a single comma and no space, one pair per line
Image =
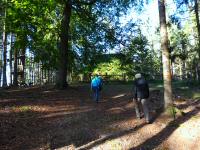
137,108
97,95
146,109
94,93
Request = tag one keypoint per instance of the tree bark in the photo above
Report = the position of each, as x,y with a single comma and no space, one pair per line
15,74
64,47
197,22
23,60
196,9
4,41
4,57
180,69
165,55
11,52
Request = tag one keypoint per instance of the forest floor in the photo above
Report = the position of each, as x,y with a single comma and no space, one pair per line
40,118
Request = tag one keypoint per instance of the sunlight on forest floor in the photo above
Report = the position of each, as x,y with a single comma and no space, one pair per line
61,119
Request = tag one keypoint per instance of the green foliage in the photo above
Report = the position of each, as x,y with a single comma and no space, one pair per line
94,29
136,58
110,68
178,43
184,49
37,26
139,58
174,112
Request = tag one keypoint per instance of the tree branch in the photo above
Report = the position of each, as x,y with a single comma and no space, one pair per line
86,2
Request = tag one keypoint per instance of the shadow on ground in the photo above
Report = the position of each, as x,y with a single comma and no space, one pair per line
156,140
70,117
65,120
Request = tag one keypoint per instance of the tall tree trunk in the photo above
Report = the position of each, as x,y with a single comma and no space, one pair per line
32,71
172,70
0,73
183,69
23,59
11,51
15,74
64,47
39,77
196,9
180,69
34,74
4,57
196,73
48,75
165,55
4,44
4,51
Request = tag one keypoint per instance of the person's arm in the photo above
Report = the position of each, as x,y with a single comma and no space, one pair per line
148,88
135,92
91,86
101,80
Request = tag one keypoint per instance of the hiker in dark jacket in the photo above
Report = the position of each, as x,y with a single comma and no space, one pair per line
141,95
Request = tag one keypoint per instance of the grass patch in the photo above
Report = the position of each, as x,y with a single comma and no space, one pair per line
25,108
196,95
180,88
191,93
22,108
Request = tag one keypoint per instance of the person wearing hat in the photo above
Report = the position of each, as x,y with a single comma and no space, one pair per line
96,85
140,97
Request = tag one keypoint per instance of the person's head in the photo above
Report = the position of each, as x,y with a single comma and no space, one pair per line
138,76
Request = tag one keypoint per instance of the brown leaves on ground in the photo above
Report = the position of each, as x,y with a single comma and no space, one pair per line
45,118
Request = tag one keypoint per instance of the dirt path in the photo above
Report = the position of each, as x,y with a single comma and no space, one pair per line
44,118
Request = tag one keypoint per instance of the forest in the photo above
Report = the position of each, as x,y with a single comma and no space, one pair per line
51,50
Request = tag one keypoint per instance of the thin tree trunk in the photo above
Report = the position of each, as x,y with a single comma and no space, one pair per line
32,71
197,23
172,70
186,70
196,73
4,58
11,51
183,69
0,74
4,41
165,55
48,76
15,74
180,70
196,9
23,59
64,47
39,76
42,73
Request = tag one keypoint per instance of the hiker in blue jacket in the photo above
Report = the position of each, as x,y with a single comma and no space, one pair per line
96,85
